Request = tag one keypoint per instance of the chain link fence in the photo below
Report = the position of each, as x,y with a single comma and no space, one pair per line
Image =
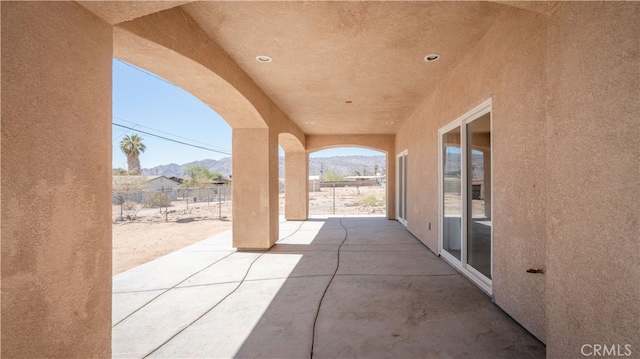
132,203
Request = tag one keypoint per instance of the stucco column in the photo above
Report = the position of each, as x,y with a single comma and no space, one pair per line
56,181
255,188
296,186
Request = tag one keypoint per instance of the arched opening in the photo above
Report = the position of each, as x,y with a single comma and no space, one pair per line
182,192
347,181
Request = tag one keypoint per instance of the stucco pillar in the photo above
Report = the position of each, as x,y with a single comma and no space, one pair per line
56,181
296,186
255,188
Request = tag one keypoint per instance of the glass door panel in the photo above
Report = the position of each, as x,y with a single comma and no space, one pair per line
401,198
478,152
402,187
452,193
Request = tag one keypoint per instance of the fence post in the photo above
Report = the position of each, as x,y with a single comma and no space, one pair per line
334,198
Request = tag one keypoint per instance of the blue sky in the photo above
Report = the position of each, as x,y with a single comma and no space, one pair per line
145,102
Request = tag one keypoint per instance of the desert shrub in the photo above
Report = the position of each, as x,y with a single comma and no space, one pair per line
158,200
130,208
370,200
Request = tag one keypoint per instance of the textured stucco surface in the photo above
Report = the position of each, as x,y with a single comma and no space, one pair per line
115,12
507,65
56,145
593,149
255,188
328,52
564,79
296,185
230,91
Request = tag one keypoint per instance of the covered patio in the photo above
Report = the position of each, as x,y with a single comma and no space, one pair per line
330,287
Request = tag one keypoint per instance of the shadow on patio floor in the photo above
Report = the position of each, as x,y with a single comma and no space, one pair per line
334,287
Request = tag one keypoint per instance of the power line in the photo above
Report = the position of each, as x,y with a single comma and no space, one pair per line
167,133
164,91
170,139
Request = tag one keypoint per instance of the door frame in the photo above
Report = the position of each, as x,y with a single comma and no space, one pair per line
401,190
484,283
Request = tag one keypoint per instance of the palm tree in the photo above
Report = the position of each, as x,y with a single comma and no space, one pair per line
132,147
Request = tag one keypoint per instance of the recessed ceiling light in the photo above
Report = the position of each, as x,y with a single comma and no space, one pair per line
432,58
309,122
263,58
389,122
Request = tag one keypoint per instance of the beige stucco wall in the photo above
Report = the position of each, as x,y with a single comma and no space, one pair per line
566,104
507,66
593,177
56,181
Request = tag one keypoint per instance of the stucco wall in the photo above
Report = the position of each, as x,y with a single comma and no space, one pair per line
593,155
508,66
56,181
566,110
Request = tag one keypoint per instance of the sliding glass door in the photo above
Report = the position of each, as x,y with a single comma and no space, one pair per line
465,194
479,194
452,193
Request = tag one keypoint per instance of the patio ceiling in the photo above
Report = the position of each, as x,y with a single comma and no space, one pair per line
337,67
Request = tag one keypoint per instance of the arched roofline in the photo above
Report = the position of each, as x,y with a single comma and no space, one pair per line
290,143
382,143
175,64
171,44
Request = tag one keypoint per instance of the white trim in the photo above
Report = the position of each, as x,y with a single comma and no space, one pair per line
403,178
485,283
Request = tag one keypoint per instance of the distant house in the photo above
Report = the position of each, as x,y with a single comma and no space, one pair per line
161,183
366,180
314,183
209,190
222,181
136,188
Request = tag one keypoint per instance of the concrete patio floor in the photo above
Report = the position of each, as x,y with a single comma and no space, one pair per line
390,297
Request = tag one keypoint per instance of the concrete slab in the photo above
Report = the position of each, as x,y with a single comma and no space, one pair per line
129,302
412,317
391,297
290,264
229,270
154,324
394,263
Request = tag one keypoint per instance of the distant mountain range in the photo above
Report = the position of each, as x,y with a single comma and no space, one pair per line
343,165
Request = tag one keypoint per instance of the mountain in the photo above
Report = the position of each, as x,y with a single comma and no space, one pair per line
222,166
452,164
344,165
